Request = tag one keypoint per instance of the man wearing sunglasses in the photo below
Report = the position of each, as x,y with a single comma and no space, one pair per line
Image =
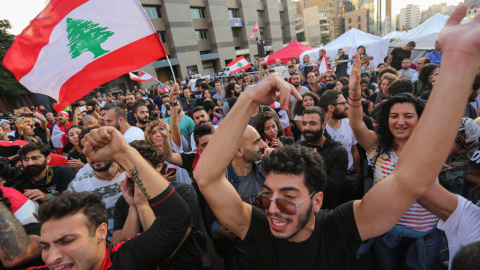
296,234
38,181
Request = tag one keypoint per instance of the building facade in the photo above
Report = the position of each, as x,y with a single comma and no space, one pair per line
204,35
358,19
409,17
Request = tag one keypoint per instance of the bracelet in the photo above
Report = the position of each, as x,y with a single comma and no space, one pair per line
173,104
165,141
359,105
354,99
50,196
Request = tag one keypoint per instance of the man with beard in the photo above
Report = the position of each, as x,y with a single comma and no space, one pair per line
334,154
470,110
129,102
338,127
165,109
247,178
313,84
140,111
59,132
295,81
200,117
115,117
52,120
103,179
41,182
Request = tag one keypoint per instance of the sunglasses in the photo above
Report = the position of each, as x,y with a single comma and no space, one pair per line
285,206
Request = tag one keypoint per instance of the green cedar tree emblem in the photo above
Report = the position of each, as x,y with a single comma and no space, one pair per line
86,36
239,64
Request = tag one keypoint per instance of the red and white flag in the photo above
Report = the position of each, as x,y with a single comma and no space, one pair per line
37,110
323,65
238,64
74,46
142,77
255,29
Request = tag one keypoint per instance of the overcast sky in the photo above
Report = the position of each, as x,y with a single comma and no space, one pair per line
20,12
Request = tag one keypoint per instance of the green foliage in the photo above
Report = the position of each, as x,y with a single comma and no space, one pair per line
325,39
86,36
8,83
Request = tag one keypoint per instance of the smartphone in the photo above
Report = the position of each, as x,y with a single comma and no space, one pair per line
265,67
17,111
169,170
82,108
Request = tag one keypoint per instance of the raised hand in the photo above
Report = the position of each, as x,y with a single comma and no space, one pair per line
104,144
463,39
163,128
354,85
270,89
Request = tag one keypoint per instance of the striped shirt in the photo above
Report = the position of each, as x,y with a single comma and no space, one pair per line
417,217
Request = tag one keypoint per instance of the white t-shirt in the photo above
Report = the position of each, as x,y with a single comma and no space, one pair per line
283,71
109,190
345,136
133,133
461,227
191,84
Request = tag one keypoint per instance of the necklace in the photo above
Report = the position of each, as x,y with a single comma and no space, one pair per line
105,179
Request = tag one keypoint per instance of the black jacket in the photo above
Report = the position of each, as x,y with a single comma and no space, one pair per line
336,164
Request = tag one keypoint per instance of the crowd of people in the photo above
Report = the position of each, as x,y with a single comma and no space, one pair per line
287,169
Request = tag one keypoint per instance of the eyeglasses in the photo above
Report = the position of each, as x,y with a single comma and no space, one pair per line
340,103
285,206
33,158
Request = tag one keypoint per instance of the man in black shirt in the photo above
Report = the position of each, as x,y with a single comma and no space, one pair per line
293,232
40,182
334,154
398,54
74,226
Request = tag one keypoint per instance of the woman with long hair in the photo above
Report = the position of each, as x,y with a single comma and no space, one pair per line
382,95
363,58
309,100
75,160
397,119
341,82
268,126
173,172
424,82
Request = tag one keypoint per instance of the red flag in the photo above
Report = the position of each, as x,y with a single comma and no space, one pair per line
255,29
74,46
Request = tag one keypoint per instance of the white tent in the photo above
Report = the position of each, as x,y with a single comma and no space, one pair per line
424,36
393,35
349,42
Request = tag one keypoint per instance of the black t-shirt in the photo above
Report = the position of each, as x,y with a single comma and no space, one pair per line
332,245
398,55
188,256
77,155
61,177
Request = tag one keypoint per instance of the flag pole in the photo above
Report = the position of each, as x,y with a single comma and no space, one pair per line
171,68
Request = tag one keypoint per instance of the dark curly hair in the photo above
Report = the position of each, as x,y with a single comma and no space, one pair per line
298,160
149,152
400,86
298,109
91,205
385,140
259,123
44,149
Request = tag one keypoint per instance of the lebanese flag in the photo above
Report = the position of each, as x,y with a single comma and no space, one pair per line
238,64
142,77
323,65
255,29
74,46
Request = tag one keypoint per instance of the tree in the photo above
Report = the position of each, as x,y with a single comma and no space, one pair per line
8,83
86,36
325,39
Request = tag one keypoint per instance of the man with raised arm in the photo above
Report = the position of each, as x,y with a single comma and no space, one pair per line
292,232
74,226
